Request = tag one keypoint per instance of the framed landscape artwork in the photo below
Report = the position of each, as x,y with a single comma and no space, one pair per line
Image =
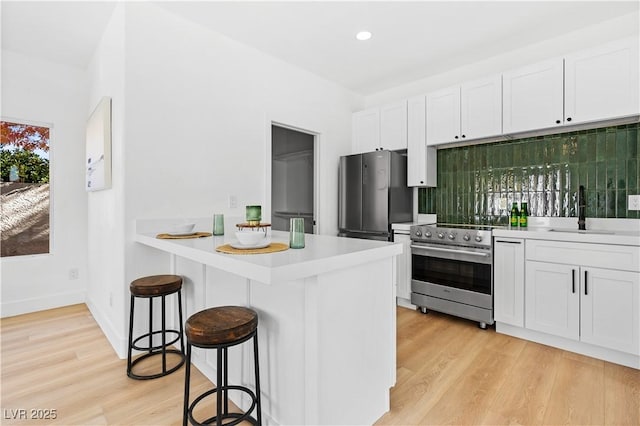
98,160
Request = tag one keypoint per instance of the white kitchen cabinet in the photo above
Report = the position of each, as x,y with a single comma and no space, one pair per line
380,128
533,97
603,82
366,130
470,111
393,126
609,309
421,160
443,116
481,108
597,304
403,266
552,299
508,281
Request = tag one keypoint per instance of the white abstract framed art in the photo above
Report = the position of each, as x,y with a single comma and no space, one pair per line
98,146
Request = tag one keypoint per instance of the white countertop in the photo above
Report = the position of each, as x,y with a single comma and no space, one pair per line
322,253
570,234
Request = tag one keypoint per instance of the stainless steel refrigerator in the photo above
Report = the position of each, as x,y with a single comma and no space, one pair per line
373,194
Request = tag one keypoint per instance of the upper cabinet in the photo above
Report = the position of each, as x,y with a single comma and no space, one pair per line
602,82
443,116
533,97
366,130
421,160
380,128
470,111
592,85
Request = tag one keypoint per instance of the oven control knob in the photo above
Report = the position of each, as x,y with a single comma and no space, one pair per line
466,237
478,238
427,234
441,235
418,233
452,236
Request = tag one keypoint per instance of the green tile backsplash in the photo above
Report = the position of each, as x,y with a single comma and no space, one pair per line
544,171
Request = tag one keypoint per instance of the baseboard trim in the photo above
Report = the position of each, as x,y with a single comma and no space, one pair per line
117,340
36,304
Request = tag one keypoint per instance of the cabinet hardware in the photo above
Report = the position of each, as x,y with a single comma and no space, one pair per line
568,118
586,292
573,281
557,121
455,137
509,242
464,136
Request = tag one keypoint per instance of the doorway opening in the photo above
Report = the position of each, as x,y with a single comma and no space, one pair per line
292,178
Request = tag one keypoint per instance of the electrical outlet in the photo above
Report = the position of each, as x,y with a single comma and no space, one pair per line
634,202
233,201
73,273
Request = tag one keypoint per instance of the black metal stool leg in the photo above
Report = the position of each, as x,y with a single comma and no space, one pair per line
187,380
130,336
225,380
219,386
257,370
150,324
180,318
164,336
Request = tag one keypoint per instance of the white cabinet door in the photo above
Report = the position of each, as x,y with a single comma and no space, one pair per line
552,299
365,130
403,266
508,281
393,126
533,97
421,161
481,108
443,116
610,302
602,82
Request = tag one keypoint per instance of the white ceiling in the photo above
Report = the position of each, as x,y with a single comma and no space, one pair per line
411,40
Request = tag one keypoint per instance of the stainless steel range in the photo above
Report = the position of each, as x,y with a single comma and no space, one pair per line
451,270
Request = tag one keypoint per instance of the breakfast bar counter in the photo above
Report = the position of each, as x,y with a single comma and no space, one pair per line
326,319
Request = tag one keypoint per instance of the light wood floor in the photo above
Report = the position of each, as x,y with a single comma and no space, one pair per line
449,372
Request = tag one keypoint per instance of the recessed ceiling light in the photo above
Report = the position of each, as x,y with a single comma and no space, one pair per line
363,35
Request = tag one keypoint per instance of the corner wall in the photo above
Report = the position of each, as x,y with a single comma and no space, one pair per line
40,91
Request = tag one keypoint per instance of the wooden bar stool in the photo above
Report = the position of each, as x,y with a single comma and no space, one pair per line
220,328
150,288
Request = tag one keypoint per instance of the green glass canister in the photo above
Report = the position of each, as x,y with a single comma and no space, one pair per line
515,215
524,215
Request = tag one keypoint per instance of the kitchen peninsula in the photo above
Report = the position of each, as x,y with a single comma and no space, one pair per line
326,312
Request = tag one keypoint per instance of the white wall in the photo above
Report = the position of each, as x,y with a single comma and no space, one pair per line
40,91
108,291
195,109
624,26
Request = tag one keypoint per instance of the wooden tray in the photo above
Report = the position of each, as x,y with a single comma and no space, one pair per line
271,248
183,237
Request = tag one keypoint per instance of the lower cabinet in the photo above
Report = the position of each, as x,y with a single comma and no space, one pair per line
508,281
594,305
403,266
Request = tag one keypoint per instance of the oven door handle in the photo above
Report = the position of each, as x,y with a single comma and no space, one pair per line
473,253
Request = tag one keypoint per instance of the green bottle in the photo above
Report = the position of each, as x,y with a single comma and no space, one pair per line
515,215
524,213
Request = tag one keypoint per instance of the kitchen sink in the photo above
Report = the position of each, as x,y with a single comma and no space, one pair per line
580,231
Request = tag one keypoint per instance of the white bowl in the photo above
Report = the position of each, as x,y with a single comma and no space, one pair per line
182,228
250,238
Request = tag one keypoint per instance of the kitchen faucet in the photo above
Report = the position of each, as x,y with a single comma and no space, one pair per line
582,223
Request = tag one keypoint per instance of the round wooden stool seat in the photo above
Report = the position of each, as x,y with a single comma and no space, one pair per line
155,285
221,325
220,328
